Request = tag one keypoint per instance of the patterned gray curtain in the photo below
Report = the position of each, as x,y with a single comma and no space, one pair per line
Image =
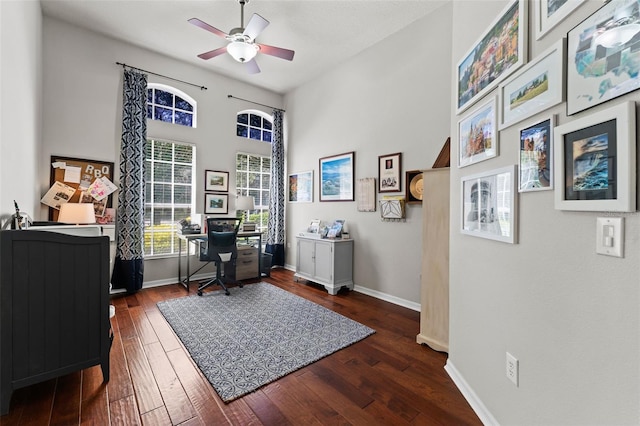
128,270
275,228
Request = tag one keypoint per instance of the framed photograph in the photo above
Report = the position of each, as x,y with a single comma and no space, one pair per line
415,187
595,161
489,205
216,203
390,172
535,172
216,181
301,187
337,177
536,87
603,56
500,51
550,13
478,135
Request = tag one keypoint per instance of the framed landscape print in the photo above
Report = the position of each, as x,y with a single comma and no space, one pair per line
501,50
604,56
301,187
536,87
216,203
216,181
595,161
489,205
478,135
389,172
535,171
337,177
550,13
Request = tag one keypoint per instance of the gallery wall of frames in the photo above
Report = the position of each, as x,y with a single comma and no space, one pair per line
589,162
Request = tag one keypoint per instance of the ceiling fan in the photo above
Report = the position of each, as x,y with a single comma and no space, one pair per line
242,41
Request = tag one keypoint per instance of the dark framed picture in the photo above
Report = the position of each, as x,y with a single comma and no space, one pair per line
337,177
390,172
215,180
596,161
414,187
603,56
535,172
216,203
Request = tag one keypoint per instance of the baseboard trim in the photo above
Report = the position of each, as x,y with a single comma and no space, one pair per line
476,404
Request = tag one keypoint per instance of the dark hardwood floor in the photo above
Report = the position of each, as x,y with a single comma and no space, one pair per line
385,379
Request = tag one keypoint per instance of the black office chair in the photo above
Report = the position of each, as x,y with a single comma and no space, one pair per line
221,249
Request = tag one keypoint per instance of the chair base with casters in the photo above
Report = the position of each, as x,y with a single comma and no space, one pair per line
218,279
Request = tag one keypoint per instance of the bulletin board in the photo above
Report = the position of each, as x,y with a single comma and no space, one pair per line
90,170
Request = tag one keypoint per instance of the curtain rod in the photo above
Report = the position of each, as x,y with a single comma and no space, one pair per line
257,103
160,75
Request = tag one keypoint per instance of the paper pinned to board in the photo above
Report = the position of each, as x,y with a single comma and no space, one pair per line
58,194
72,174
101,188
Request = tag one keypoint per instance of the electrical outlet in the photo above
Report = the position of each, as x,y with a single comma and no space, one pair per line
512,368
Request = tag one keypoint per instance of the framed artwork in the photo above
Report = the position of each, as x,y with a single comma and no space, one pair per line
337,177
536,87
478,135
603,56
216,181
489,205
390,172
301,187
216,203
595,161
535,172
550,13
501,50
415,187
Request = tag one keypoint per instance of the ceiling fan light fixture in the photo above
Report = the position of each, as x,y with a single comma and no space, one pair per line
242,51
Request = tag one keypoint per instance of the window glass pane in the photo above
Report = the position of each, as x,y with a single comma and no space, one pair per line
163,217
162,151
149,111
254,180
265,199
162,172
266,164
161,194
184,154
243,118
241,180
147,172
147,149
266,124
184,118
182,194
241,131
163,98
182,174
149,95
266,136
255,133
163,114
241,161
255,120
254,164
182,104
265,182
181,213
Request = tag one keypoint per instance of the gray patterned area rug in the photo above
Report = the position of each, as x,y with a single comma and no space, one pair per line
256,335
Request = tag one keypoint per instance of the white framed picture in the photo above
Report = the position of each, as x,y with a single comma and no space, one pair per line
595,161
489,207
478,134
536,87
549,13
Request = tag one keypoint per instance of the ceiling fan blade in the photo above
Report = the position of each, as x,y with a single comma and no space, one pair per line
252,67
213,53
277,51
255,26
205,26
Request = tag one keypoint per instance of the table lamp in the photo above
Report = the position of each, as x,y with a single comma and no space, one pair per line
77,213
244,203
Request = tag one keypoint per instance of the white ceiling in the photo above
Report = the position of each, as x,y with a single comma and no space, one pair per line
323,33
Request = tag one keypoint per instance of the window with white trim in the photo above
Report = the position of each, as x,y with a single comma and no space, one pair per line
254,124
253,178
168,104
169,193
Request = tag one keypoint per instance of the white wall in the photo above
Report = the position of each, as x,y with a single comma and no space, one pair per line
83,104
20,106
570,316
381,102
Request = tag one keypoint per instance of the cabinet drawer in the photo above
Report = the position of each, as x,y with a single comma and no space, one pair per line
247,265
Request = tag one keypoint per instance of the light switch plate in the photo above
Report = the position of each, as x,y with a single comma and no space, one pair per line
610,236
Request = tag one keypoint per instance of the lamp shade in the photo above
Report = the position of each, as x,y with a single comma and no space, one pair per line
241,51
77,213
245,203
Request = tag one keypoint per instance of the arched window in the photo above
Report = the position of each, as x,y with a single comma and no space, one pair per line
168,104
254,124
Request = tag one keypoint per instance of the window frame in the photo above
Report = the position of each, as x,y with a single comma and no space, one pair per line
175,92
260,209
264,116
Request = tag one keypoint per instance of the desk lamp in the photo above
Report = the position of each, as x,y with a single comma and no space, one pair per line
77,213
245,203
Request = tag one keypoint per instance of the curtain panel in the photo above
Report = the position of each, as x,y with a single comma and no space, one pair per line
128,269
275,227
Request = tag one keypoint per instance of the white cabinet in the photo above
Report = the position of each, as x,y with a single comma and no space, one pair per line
326,262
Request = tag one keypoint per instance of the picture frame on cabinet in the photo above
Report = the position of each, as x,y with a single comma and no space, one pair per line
390,172
301,187
535,169
489,207
603,56
337,177
595,161
549,13
215,180
216,203
534,88
474,79
478,134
